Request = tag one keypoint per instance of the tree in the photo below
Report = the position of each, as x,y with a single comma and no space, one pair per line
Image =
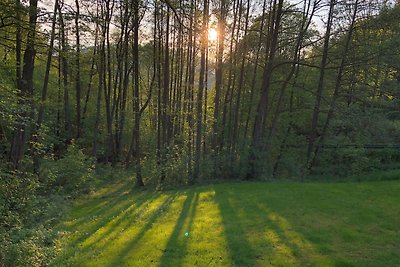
25,85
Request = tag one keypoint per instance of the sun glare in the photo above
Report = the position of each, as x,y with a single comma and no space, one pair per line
212,35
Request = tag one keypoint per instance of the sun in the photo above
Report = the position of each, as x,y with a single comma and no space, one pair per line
212,35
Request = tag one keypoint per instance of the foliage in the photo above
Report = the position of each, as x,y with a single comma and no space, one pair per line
27,220
73,173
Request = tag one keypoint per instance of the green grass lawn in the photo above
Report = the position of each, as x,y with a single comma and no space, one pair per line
236,224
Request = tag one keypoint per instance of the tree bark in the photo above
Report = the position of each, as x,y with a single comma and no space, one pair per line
78,72
320,87
265,87
204,45
26,89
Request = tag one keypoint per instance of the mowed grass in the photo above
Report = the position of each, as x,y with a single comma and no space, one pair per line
236,224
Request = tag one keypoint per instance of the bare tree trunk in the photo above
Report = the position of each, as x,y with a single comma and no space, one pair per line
107,76
64,68
78,72
91,74
160,125
18,43
305,23
100,70
229,89
45,87
139,179
254,78
265,87
336,91
240,85
190,91
204,45
320,87
219,68
26,87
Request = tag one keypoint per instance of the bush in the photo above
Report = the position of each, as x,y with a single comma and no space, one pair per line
74,173
17,191
26,220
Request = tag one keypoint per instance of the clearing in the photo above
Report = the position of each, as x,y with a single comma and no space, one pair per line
236,224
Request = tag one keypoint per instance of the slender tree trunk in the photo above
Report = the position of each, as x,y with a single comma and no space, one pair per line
139,180
254,78
240,85
320,87
160,144
191,68
305,23
26,88
18,43
219,68
78,72
336,91
204,45
44,90
64,68
100,69
265,87
91,74
228,93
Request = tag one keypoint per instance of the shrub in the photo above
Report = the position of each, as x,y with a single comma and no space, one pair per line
73,173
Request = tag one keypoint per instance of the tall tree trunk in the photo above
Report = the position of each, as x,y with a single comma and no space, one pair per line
139,179
219,68
190,91
45,87
254,77
78,72
336,91
64,68
232,63
305,23
265,87
204,45
18,43
320,87
26,89
91,74
100,69
160,145
240,85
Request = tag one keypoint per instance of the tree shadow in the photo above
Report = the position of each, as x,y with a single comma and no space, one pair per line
240,249
257,235
110,212
124,220
101,202
285,240
176,248
130,245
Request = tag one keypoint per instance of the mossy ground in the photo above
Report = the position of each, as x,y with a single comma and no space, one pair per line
236,224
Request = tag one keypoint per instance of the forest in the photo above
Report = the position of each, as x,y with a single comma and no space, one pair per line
157,96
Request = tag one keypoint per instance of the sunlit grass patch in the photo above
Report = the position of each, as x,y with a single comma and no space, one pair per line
237,224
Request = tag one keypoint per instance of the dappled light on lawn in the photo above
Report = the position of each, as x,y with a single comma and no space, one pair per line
234,224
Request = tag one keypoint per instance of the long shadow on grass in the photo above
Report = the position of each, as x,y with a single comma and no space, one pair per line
298,249
114,210
277,243
176,247
240,249
124,220
119,258
97,204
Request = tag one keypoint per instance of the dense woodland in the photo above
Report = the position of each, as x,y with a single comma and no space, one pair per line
179,92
